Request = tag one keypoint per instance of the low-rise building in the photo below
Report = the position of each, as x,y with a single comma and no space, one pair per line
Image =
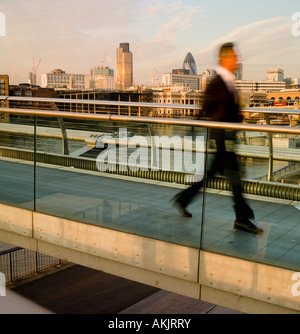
173,95
102,77
27,90
60,79
255,86
193,81
4,91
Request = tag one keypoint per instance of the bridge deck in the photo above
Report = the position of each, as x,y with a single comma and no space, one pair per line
142,207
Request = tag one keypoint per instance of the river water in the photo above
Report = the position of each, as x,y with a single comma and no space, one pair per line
253,168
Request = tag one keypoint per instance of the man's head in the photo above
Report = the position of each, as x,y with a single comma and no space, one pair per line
228,57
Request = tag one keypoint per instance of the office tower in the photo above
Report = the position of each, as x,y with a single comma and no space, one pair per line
190,64
206,78
185,76
124,67
193,81
239,72
104,82
101,70
275,74
102,77
32,78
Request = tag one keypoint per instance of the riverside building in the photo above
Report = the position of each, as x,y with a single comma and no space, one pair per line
102,77
60,79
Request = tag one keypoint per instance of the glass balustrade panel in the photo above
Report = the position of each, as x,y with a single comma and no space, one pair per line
121,175
267,196
17,155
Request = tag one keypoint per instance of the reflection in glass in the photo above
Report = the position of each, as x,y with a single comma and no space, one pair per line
17,170
114,177
280,241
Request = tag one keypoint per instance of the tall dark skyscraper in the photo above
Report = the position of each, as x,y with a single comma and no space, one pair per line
124,67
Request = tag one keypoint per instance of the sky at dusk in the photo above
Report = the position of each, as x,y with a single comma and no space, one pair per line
77,35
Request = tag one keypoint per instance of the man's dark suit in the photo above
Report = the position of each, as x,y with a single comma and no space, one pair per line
220,104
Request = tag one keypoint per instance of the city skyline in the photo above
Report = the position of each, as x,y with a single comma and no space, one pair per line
76,36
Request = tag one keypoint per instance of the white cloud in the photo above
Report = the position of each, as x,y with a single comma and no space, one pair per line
162,42
173,22
264,43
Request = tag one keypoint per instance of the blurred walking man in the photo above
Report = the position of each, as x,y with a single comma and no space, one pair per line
221,103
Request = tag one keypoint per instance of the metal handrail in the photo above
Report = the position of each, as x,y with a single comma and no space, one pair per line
102,102
267,128
267,110
156,120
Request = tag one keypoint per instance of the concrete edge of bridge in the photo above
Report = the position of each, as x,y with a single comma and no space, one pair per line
242,285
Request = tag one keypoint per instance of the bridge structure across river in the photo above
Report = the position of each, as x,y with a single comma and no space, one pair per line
120,220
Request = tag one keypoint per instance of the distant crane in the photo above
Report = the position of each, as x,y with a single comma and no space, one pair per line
114,68
32,75
153,74
34,68
101,60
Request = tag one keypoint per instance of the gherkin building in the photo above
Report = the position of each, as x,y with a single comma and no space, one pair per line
190,64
